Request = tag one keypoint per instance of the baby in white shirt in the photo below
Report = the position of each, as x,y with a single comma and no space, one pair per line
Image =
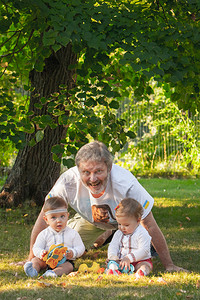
130,245
56,216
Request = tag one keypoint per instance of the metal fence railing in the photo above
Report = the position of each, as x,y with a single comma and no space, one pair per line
163,132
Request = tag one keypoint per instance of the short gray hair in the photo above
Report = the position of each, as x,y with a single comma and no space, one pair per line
94,151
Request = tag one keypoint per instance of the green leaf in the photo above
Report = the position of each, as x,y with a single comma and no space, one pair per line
63,120
49,37
56,158
82,72
38,105
175,97
71,149
46,52
57,149
122,137
3,118
131,134
14,138
43,100
29,128
69,163
26,87
56,47
32,142
39,135
39,64
63,38
95,120
72,135
114,104
115,146
90,102
45,120
4,25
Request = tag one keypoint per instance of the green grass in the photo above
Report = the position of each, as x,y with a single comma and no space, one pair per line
176,210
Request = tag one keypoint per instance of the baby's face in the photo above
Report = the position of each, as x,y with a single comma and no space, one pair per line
127,224
57,221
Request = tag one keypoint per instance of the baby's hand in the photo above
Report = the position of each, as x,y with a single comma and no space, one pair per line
125,262
43,253
69,254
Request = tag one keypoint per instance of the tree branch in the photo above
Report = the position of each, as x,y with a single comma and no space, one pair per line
15,52
9,38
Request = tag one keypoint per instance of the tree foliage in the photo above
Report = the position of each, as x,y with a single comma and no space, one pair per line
118,44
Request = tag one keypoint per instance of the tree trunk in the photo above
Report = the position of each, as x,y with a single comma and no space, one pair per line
34,171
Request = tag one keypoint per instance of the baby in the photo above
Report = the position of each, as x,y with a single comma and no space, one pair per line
130,245
56,216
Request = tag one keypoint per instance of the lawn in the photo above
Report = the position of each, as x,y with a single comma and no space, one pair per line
176,210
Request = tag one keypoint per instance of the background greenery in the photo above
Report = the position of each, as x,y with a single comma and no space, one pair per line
167,141
67,67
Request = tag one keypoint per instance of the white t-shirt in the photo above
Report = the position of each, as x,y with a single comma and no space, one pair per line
69,237
135,246
121,184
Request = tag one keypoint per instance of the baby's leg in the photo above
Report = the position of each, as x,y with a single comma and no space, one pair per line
64,268
143,269
33,267
38,264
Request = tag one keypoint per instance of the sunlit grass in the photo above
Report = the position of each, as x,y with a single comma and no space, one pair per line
177,213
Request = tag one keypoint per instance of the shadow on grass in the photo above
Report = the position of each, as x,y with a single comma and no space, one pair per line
106,289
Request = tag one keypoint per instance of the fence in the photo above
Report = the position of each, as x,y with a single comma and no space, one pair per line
166,138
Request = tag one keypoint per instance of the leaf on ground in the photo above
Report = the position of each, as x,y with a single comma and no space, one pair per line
72,274
182,291
44,284
65,285
161,280
99,278
188,218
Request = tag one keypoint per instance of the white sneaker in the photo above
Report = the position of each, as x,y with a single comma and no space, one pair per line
49,273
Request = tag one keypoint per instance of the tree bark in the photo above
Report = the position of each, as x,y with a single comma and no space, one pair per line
34,171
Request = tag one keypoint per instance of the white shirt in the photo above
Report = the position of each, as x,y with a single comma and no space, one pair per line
135,246
121,184
68,236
